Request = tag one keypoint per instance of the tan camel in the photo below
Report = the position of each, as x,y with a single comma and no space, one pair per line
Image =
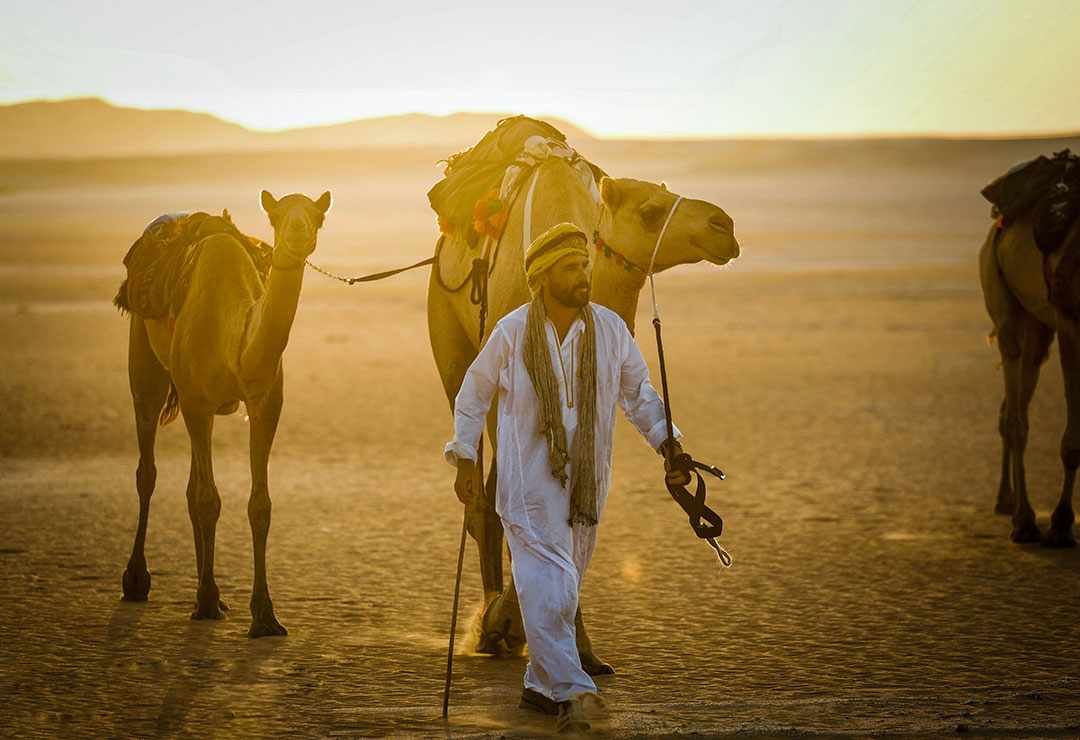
630,219
225,347
1015,289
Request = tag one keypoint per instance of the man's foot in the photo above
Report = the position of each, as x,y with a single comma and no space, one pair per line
584,713
536,701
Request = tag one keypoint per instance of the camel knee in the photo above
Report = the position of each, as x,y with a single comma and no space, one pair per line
208,503
259,508
1016,437
1015,431
145,478
1008,342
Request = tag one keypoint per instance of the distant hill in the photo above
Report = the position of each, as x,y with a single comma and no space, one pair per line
93,128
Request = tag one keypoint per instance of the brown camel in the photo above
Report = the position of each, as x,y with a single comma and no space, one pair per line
628,222
1026,313
224,347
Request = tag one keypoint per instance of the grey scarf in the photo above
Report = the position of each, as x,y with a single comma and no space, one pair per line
538,363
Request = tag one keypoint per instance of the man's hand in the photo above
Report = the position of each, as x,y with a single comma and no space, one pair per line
674,476
463,485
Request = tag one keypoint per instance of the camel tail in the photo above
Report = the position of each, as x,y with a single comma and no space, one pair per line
121,299
172,407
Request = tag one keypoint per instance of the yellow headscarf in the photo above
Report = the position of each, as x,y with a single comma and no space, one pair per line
550,247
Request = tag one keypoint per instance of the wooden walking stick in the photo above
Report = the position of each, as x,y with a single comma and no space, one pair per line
457,585
453,618
478,297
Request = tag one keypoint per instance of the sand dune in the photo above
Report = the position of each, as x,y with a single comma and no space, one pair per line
90,128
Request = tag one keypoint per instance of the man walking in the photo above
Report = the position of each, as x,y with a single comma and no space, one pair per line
560,366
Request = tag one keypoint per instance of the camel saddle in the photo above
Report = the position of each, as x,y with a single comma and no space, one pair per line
470,175
160,262
1046,189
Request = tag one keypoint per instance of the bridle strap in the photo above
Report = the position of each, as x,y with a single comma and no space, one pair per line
652,260
660,238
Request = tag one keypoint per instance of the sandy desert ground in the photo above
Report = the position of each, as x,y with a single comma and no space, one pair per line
838,371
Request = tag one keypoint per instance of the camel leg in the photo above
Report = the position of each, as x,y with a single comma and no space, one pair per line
193,515
590,662
502,621
454,351
149,386
1024,345
263,621
199,419
1005,501
1061,521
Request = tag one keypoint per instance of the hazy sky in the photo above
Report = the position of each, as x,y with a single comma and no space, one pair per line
666,67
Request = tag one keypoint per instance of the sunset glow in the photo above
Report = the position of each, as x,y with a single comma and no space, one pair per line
685,69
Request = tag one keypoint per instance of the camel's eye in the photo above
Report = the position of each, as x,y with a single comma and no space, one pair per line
652,214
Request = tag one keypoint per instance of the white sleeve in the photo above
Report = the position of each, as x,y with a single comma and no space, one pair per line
475,396
639,400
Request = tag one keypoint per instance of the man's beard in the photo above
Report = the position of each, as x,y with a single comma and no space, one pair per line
576,296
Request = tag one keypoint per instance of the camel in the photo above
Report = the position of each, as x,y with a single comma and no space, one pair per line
1025,319
628,222
224,346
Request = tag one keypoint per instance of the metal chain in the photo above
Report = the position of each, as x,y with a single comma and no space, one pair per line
328,274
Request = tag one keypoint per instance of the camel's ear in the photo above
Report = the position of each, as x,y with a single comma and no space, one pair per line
610,193
323,203
267,200
663,185
652,212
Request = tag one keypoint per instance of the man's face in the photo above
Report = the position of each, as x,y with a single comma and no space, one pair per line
567,281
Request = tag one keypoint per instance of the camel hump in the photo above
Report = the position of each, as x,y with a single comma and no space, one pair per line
1026,184
472,175
159,263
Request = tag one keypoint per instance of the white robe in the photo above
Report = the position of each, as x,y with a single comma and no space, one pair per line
548,556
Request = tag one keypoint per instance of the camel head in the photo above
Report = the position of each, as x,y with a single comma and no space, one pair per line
634,213
296,219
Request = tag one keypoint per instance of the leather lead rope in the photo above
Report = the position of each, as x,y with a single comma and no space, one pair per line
368,278
705,522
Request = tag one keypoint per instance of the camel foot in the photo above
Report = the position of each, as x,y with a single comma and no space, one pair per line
263,628
1025,531
488,643
594,666
1060,532
136,584
221,605
208,605
492,631
501,643
501,634
263,621
1004,506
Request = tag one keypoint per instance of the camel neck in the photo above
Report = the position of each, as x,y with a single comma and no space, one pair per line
617,288
269,324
